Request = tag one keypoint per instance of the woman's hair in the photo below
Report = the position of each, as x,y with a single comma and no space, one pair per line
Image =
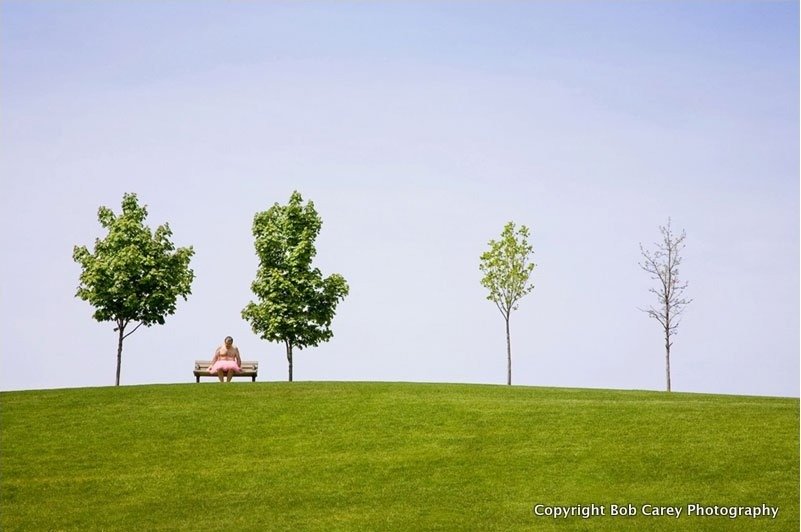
228,338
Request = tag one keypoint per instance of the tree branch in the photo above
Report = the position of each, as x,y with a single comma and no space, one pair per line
133,331
500,308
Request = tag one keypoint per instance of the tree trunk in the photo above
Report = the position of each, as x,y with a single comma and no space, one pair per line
289,358
667,362
121,329
667,341
508,354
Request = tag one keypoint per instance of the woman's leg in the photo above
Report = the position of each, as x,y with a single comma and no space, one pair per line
220,375
230,374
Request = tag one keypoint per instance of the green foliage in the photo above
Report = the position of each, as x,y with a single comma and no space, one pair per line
133,275
296,304
507,269
387,456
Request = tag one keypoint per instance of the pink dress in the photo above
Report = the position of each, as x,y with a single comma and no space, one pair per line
223,364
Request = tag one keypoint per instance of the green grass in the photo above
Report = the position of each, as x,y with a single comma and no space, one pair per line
387,456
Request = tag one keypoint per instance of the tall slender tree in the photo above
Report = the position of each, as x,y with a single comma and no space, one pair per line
506,267
134,275
296,305
663,266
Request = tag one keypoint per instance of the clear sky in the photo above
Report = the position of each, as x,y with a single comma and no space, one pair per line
418,130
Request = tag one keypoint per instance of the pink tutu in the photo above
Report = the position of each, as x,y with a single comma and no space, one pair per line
225,365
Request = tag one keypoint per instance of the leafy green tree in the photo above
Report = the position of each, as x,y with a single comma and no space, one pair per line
296,304
506,270
134,275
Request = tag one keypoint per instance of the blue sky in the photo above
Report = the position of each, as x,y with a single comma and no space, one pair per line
418,129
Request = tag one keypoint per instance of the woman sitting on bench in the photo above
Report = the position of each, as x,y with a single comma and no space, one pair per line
226,360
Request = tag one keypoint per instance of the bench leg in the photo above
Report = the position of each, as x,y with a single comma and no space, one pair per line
253,378
197,379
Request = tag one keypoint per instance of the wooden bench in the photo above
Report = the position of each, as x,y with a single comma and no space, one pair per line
250,368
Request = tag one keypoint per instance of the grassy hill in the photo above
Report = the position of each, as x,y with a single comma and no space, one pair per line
388,456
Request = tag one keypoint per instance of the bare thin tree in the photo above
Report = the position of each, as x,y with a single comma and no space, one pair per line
663,265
